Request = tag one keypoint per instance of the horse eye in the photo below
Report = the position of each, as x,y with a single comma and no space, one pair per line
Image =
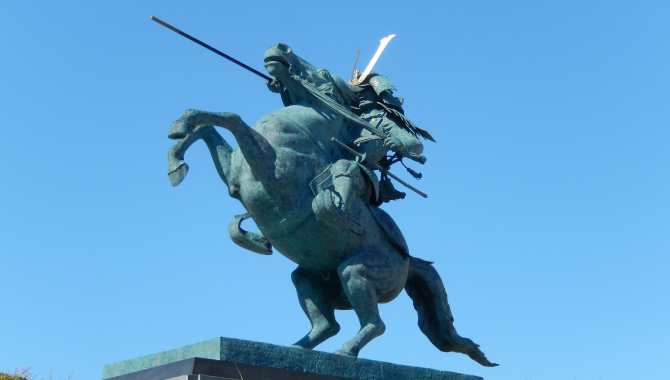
325,74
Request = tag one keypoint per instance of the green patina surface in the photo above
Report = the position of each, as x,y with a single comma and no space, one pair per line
209,349
305,175
295,359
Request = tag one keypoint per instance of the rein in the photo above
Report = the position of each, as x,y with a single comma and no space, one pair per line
333,105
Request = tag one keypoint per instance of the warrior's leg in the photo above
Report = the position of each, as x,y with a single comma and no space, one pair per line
347,183
388,191
335,207
317,296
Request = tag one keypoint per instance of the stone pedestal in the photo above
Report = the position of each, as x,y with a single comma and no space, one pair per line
224,358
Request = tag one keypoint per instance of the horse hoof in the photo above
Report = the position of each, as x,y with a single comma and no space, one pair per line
178,174
253,241
179,130
343,353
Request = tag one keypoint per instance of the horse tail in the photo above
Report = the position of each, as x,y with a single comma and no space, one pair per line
424,286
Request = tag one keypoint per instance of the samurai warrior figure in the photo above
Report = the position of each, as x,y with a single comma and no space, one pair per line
378,106
368,97
374,103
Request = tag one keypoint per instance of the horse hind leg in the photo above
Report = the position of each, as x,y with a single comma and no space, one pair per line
317,296
367,279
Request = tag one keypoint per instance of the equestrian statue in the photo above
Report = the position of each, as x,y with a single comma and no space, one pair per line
307,176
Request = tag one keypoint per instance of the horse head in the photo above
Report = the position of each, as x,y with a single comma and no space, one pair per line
295,78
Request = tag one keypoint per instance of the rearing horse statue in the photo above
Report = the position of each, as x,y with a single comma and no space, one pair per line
272,173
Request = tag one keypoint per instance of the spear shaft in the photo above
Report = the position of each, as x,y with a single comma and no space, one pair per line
224,55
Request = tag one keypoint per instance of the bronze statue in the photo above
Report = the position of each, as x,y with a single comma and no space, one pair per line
318,204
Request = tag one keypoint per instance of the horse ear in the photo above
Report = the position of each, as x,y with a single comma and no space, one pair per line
346,92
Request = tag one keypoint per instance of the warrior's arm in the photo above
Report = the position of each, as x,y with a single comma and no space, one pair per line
400,140
390,100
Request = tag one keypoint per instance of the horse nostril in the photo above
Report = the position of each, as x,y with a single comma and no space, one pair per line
284,48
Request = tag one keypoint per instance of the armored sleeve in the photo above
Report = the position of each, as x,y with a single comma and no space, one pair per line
384,89
381,83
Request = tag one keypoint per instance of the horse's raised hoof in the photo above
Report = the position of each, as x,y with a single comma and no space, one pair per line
253,241
178,174
179,129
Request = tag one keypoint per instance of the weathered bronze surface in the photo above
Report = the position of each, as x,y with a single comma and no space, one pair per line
318,205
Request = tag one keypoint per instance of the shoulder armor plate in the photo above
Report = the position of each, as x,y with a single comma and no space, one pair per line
381,83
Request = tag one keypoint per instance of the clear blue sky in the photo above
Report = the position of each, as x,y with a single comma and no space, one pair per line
548,214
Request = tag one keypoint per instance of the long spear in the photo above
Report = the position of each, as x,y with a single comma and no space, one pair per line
336,107
197,41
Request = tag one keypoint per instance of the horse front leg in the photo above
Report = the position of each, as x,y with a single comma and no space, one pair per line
219,149
255,148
